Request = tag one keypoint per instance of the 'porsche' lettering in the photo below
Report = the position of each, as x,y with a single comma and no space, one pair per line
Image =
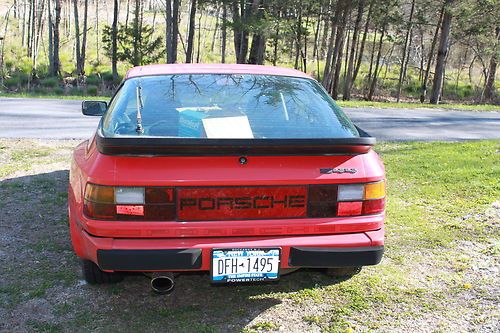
257,202
253,202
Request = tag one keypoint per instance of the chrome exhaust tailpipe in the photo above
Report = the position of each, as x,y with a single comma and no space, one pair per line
162,282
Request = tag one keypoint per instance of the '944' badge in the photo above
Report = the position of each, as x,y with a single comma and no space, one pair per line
337,170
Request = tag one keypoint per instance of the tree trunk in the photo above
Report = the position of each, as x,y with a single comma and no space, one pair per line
114,42
340,50
97,38
363,43
81,62
350,68
168,31
489,89
199,37
77,35
276,39
258,48
224,33
51,38
216,29
344,6
57,63
136,41
190,40
175,30
331,43
402,69
423,89
437,84
373,84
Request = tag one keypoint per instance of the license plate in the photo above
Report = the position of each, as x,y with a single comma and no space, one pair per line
245,265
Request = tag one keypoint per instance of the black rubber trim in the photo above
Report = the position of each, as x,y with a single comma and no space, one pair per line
224,147
148,260
335,256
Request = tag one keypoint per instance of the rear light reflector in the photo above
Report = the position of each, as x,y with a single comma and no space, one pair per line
350,192
375,190
130,210
101,194
99,211
351,208
129,195
373,206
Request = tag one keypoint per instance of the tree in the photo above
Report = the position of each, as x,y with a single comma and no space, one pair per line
55,68
437,85
423,89
489,90
192,26
350,68
114,42
136,51
171,29
80,48
407,41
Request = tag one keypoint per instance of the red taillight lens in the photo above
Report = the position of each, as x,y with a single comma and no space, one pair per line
373,206
99,211
349,208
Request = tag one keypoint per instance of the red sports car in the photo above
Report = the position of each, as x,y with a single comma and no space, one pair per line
246,172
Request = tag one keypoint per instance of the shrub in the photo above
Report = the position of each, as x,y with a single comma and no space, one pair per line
92,90
92,80
76,91
39,90
107,76
58,91
12,82
50,82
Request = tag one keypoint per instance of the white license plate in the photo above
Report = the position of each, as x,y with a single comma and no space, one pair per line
245,265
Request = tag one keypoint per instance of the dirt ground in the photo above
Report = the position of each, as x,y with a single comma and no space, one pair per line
418,287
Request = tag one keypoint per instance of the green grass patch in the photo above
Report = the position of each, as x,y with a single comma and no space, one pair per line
406,105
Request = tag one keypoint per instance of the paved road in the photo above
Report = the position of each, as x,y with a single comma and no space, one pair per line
62,119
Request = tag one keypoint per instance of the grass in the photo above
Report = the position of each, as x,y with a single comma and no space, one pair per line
437,273
52,96
406,105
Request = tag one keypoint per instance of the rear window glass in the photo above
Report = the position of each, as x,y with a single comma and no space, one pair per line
226,106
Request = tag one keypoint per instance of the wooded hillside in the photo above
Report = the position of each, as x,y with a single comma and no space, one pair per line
413,50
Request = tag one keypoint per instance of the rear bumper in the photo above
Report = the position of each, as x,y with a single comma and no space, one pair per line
191,259
194,254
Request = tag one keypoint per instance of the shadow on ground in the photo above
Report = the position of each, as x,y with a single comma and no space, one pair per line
41,286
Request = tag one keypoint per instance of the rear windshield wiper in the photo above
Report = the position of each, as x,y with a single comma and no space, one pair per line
139,129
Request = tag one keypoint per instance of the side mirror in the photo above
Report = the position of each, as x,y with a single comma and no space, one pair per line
94,108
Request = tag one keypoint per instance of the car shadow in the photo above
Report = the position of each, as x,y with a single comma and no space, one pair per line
35,243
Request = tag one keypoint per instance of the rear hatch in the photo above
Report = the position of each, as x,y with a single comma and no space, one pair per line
239,195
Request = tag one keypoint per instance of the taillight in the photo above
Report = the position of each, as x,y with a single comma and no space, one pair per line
133,203
129,203
346,200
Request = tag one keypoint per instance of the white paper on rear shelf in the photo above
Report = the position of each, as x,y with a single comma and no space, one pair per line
228,128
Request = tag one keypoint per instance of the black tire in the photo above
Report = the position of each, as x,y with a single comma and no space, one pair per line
93,275
343,272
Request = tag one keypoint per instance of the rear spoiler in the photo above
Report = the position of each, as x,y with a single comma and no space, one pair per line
163,146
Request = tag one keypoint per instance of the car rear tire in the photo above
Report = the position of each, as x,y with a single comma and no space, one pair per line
93,275
343,272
